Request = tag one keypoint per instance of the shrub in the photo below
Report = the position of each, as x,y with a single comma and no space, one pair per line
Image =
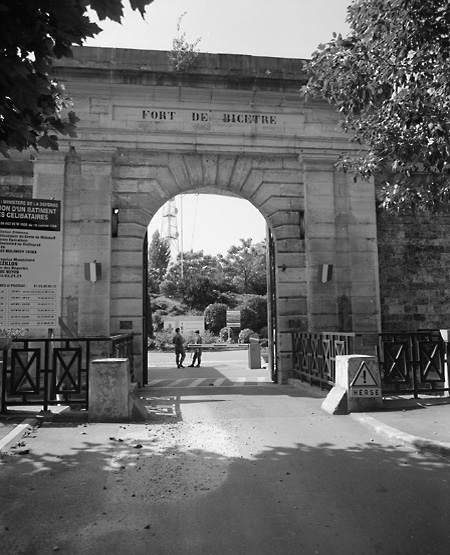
254,312
216,317
158,319
228,333
208,337
163,339
244,335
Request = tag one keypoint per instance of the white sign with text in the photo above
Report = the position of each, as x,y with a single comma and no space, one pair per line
30,246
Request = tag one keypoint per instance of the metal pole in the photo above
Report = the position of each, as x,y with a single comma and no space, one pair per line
181,237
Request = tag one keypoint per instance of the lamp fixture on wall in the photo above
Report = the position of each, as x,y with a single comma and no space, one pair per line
114,222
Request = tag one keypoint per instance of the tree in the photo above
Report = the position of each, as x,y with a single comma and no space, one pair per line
245,267
216,317
32,34
389,79
254,312
158,261
193,279
197,292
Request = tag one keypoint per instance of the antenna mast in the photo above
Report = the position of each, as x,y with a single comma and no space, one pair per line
169,230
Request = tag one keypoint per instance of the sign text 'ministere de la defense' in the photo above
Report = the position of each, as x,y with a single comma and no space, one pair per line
30,242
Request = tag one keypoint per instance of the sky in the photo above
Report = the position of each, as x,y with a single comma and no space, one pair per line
274,28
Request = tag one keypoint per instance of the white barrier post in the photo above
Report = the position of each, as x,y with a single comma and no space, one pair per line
358,386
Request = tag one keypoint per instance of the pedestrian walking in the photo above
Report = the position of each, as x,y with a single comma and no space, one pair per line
180,351
198,350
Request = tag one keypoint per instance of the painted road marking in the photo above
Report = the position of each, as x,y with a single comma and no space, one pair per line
208,382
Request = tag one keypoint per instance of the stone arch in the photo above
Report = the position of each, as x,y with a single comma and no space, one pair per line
143,181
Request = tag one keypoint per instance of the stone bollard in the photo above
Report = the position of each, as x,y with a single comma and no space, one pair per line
358,386
109,390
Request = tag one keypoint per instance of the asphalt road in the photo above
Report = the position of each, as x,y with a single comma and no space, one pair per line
254,469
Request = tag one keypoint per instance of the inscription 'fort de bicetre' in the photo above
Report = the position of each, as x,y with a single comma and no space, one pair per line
198,117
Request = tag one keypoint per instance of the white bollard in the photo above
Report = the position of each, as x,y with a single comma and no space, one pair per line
357,386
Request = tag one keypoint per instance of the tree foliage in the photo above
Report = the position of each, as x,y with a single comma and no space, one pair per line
390,80
32,34
158,261
216,317
254,312
198,279
183,53
245,267
192,279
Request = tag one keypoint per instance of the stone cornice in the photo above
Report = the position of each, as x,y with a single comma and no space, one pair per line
152,67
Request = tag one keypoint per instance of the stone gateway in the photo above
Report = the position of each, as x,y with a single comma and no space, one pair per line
231,125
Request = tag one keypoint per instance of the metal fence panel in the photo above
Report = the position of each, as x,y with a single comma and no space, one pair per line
409,362
54,370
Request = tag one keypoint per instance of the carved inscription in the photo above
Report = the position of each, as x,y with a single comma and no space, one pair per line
158,115
237,117
223,117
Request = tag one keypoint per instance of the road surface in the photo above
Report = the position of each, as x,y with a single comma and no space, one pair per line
219,470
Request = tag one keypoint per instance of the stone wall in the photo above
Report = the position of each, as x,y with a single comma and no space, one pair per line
16,178
414,260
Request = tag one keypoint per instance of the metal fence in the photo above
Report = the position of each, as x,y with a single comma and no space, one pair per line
314,355
409,362
56,370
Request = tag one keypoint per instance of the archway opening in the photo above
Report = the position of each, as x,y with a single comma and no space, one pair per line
208,270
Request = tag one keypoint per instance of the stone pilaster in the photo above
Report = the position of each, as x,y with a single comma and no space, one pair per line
340,230
320,241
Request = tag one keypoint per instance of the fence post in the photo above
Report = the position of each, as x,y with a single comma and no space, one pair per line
445,334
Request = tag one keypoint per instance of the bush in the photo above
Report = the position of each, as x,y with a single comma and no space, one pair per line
163,339
224,335
208,337
245,334
264,332
254,312
158,319
216,317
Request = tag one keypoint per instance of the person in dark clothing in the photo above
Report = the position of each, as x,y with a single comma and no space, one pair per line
198,350
180,351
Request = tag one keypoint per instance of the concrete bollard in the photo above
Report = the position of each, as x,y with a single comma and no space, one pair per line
357,386
109,390
254,353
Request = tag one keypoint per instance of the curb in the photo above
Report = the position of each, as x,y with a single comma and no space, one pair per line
15,435
423,445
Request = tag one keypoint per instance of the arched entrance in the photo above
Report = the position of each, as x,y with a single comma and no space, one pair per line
233,125
140,174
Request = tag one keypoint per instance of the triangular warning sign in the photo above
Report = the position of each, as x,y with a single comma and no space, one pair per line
364,377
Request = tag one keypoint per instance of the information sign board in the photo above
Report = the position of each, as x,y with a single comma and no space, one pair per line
30,246
233,318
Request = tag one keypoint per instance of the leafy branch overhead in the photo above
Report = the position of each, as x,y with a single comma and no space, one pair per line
390,80
33,106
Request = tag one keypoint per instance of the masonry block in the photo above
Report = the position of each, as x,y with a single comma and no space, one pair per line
109,390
